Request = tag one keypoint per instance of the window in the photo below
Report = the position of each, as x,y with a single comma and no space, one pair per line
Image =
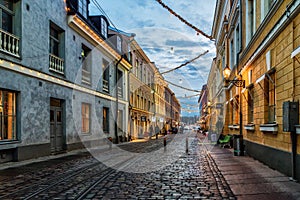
6,15
137,67
103,27
237,38
7,115
250,20
56,53
120,122
232,53
105,76
85,117
105,123
119,44
250,105
86,64
120,83
83,8
265,8
271,101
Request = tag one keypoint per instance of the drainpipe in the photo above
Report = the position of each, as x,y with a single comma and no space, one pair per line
117,100
238,60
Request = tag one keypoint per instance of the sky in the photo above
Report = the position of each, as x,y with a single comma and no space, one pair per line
167,41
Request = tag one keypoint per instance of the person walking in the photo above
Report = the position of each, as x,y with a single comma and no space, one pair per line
150,131
156,131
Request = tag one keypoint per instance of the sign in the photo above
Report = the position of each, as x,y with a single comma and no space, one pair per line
143,118
153,119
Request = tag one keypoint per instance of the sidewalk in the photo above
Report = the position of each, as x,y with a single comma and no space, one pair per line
250,179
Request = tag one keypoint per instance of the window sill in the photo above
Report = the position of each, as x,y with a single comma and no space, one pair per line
9,144
234,126
297,129
269,128
249,127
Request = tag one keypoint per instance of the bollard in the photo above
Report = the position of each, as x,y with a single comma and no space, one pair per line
186,145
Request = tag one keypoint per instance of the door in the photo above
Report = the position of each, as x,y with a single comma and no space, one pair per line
56,126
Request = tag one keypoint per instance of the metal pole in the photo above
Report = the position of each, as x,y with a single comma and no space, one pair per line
294,153
117,99
186,145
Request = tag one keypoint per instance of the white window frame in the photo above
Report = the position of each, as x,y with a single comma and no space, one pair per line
104,27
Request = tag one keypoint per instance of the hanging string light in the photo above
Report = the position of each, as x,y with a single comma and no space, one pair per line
183,20
182,87
188,96
186,63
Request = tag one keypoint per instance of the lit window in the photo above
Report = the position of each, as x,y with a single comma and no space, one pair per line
250,105
103,27
105,122
85,116
7,115
271,101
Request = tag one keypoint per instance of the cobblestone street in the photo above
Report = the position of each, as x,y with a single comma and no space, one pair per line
192,175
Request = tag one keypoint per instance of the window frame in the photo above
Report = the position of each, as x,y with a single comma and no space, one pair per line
9,12
105,119
83,8
104,27
85,118
250,107
271,97
6,115
86,70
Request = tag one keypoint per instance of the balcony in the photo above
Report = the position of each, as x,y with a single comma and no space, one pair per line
86,77
105,86
9,43
120,92
56,64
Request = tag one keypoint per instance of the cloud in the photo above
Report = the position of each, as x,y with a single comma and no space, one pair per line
157,32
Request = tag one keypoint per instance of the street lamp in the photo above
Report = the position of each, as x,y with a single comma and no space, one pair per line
237,83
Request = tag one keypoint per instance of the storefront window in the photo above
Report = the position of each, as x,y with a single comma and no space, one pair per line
7,115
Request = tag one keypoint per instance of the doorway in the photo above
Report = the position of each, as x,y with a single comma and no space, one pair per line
57,140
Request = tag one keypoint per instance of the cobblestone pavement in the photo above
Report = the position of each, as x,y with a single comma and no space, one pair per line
187,175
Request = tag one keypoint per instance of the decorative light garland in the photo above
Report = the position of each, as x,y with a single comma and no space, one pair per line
184,64
182,87
183,20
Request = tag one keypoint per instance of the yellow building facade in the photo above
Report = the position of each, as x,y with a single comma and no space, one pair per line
259,41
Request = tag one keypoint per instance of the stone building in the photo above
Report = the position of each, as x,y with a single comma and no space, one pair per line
259,41
63,84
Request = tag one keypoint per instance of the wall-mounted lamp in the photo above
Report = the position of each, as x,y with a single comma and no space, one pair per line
237,83
82,55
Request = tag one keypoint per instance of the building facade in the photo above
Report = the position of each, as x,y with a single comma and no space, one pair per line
259,41
63,85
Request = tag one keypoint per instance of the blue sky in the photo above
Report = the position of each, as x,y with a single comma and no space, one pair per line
157,32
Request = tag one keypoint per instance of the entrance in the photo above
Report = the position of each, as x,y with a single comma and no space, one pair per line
56,126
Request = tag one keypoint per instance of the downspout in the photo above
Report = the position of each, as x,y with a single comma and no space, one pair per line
117,100
238,60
